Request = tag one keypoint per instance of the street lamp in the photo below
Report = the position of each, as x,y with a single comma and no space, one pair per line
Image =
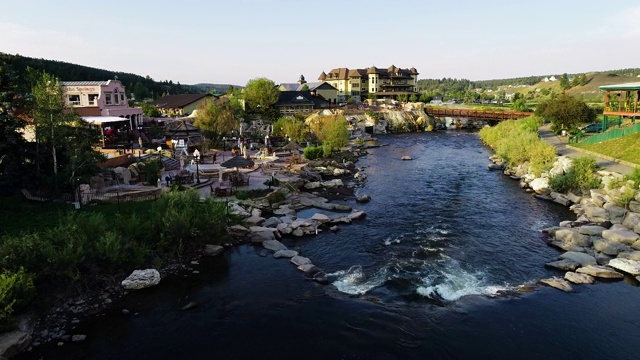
196,156
266,141
224,143
159,148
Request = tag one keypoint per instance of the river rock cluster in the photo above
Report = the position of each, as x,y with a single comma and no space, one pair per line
604,240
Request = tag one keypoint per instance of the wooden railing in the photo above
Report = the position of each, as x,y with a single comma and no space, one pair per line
477,114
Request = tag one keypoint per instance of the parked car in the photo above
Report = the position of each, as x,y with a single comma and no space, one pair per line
592,128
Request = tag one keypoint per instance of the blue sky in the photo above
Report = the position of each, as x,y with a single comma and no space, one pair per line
234,41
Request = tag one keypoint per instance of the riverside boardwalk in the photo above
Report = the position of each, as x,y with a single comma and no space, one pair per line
563,148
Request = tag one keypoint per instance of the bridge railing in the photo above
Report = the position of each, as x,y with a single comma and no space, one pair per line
477,114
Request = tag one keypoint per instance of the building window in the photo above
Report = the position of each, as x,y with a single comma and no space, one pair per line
122,97
93,99
107,98
74,100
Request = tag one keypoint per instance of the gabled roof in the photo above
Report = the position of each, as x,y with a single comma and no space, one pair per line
297,98
311,86
289,98
178,101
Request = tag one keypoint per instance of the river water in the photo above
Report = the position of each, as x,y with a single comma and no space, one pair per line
432,272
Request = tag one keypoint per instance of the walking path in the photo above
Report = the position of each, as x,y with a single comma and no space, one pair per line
561,143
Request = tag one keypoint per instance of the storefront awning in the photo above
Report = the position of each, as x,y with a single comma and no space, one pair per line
99,120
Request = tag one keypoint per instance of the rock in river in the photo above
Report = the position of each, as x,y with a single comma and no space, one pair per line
579,278
558,283
625,265
140,279
600,272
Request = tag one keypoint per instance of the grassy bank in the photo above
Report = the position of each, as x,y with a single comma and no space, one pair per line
50,247
625,148
517,142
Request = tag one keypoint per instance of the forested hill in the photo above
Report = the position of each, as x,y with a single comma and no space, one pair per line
448,84
142,87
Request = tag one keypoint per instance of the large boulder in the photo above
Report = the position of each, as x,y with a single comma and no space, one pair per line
213,250
259,236
540,185
300,260
560,198
271,222
622,236
609,247
321,218
273,245
631,220
564,265
577,278
569,238
285,254
616,213
631,255
625,265
634,206
596,214
600,272
238,231
140,279
581,258
574,198
591,230
14,342
557,283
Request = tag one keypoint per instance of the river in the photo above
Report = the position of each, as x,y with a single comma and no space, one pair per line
431,273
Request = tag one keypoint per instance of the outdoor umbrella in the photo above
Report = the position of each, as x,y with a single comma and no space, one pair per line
237,162
292,146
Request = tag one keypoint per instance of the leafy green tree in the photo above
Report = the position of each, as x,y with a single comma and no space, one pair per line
261,93
140,92
68,138
565,112
13,147
291,127
519,105
48,113
80,156
332,131
564,82
305,87
217,119
425,98
150,110
402,98
413,98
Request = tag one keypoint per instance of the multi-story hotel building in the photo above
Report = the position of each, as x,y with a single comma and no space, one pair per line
358,84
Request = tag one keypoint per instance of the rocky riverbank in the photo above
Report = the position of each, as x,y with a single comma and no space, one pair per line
324,185
604,240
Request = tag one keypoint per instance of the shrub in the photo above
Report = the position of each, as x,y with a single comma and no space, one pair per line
251,194
313,152
634,176
581,176
16,292
517,141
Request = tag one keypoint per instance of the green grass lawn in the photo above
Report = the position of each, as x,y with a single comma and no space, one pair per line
21,215
625,148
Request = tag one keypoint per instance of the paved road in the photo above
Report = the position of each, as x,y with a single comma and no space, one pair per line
560,142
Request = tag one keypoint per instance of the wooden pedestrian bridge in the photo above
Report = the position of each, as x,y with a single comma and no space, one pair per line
493,115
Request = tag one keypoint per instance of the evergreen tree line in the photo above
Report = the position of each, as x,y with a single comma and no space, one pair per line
142,87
